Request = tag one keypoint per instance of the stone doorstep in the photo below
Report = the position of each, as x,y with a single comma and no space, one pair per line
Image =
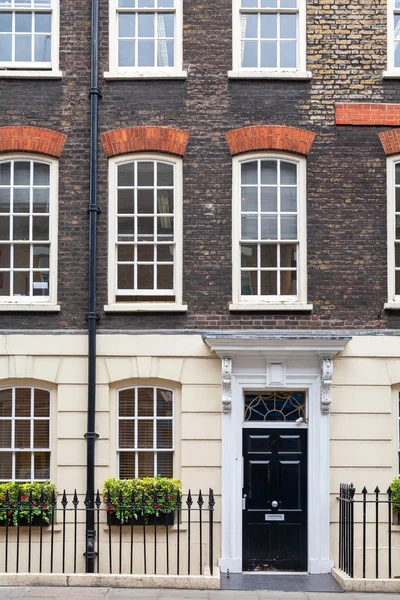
366,585
183,582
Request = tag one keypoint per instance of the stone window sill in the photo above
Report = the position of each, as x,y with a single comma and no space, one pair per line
145,307
156,74
392,306
15,74
270,307
392,74
261,74
15,307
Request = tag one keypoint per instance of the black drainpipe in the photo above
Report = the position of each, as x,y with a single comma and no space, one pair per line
92,316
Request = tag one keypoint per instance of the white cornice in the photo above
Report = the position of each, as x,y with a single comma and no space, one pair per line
324,345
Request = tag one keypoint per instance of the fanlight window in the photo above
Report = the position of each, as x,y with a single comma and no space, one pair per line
274,406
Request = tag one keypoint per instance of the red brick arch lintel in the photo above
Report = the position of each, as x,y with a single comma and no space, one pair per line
270,137
390,141
167,140
37,140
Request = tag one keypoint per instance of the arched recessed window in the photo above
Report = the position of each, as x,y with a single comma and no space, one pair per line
269,230
24,434
145,233
145,432
28,230
393,167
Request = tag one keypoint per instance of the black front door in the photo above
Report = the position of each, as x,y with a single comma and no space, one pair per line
275,500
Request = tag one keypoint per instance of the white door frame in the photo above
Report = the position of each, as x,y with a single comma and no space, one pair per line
281,358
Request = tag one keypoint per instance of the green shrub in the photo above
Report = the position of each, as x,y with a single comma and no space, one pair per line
163,489
395,487
26,513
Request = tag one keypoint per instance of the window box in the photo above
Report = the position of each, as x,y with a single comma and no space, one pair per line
159,521
31,495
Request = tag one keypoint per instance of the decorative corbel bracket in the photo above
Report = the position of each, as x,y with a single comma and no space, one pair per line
326,382
226,386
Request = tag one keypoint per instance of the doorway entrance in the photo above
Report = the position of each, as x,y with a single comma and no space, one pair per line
275,500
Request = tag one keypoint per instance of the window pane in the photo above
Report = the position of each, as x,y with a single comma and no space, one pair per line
4,228
249,255
165,3
397,172
6,48
164,464
288,283
4,200
288,26
164,403
127,403
269,199
269,172
5,171
165,201
249,173
145,402
22,434
145,434
5,435
126,253
40,284
269,256
21,283
289,199
126,3
269,55
269,228
397,55
269,24
126,228
145,3
165,227
42,48
165,25
249,54
165,277
269,283
6,466
288,3
145,277
145,171
22,256
43,22
4,284
288,55
22,402
41,257
397,260
126,201
146,228
22,172
164,434
288,255
42,465
5,23
397,284
126,175
23,22
126,55
397,193
249,228
288,173
249,283
127,434
41,198
4,256
5,403
249,199
145,201
23,48
125,277
146,464
165,253
22,200
145,25
40,228
288,228
126,25
146,53
249,26
145,253
42,403
249,3
41,434
127,464
165,174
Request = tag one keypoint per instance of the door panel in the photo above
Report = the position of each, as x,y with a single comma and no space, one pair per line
275,471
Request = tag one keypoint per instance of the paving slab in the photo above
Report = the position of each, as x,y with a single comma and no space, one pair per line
375,596
123,593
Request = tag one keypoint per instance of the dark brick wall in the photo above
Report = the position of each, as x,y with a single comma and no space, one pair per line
346,167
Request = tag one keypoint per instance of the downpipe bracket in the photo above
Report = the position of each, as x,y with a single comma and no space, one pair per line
95,91
91,435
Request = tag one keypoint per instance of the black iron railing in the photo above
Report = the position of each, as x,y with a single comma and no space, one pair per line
369,515
164,535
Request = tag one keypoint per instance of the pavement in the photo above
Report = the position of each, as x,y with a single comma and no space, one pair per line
50,593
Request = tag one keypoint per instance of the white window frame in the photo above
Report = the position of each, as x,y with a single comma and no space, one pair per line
32,419
175,305
393,299
392,71
40,303
239,72
35,70
240,303
116,72
154,418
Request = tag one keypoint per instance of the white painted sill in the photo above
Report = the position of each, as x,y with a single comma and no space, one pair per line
249,74
392,306
14,307
142,307
393,74
270,307
156,74
14,74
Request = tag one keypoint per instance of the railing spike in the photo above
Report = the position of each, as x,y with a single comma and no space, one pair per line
200,500
64,500
178,500
211,500
377,490
189,500
75,499
87,499
98,500
389,492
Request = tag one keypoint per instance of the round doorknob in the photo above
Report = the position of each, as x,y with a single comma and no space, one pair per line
274,504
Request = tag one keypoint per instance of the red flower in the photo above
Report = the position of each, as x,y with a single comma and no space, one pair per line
33,503
24,497
44,507
158,506
2,499
169,497
9,513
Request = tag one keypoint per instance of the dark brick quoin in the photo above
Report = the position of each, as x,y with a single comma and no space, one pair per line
270,137
31,139
346,165
145,139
